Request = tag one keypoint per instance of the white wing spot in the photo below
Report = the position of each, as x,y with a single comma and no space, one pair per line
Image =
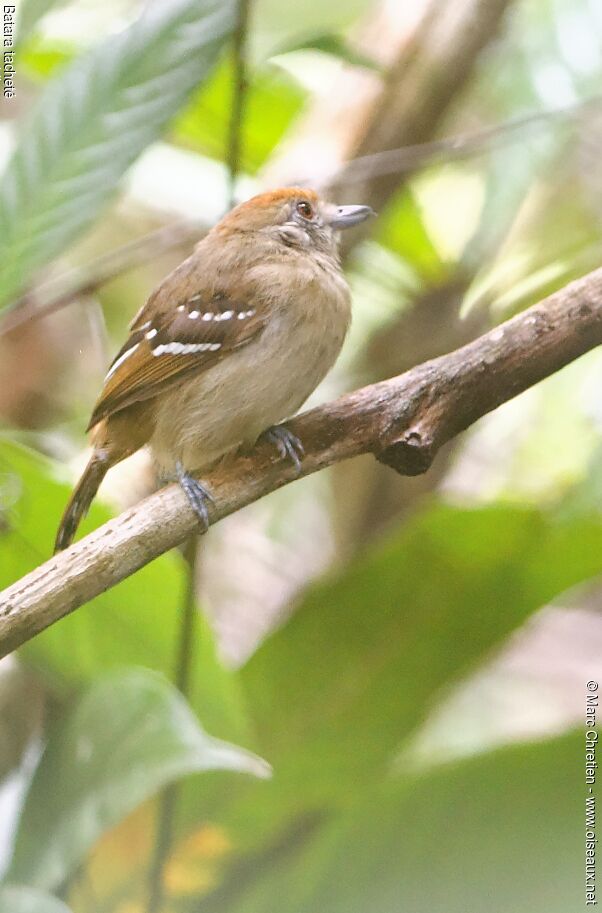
207,315
225,315
194,315
215,346
151,333
181,307
183,348
196,297
121,360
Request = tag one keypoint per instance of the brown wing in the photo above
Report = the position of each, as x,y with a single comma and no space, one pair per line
187,338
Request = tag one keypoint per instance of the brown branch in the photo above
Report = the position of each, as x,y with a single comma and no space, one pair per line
428,51
422,85
403,421
375,498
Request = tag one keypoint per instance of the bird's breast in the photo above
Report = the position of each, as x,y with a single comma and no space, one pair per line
265,381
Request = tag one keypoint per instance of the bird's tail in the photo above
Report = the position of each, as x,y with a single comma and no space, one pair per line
82,497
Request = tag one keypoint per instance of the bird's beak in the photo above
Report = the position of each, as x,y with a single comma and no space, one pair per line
347,216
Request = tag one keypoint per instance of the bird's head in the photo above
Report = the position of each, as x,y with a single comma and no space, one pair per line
295,217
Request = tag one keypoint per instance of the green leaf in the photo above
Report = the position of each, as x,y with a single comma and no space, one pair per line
41,58
497,833
273,100
22,899
127,737
279,23
402,229
343,686
376,644
513,814
333,44
91,124
135,623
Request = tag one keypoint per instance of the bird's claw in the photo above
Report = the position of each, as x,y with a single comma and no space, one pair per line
288,444
197,494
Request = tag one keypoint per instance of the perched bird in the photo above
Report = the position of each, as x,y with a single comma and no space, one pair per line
231,343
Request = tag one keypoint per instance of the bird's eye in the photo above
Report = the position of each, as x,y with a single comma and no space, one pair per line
305,209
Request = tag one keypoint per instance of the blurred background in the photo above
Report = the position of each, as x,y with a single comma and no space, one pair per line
409,655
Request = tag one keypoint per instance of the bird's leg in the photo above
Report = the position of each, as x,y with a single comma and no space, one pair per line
197,494
288,444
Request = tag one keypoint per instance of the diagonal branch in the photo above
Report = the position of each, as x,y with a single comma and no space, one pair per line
428,51
83,281
403,421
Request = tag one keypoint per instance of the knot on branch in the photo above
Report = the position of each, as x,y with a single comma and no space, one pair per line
410,455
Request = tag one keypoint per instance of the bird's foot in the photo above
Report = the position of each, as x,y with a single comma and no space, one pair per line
197,494
288,444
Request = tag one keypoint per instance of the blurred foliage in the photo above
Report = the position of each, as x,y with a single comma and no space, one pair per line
18,899
407,843
30,14
102,635
274,101
330,43
93,122
340,689
42,59
373,681
125,738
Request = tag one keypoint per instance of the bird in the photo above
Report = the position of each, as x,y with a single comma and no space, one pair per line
226,348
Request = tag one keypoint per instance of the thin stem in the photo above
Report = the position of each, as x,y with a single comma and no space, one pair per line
67,289
84,281
86,890
80,882
169,797
464,145
238,98
186,643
